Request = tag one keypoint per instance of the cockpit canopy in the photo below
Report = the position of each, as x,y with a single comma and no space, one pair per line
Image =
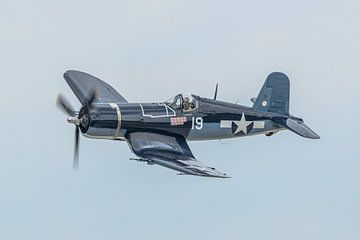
182,102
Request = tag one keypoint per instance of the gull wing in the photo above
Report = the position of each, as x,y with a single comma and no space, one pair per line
169,151
82,84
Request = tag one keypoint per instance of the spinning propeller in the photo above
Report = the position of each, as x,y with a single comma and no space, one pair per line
79,119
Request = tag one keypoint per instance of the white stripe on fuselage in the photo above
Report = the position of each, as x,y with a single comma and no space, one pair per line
228,124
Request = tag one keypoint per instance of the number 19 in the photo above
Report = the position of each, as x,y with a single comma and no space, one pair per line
197,123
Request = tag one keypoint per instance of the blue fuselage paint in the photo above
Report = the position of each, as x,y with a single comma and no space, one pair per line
209,121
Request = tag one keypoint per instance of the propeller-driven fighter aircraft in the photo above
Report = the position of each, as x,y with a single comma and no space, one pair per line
157,133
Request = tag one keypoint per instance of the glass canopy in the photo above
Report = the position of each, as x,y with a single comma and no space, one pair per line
182,102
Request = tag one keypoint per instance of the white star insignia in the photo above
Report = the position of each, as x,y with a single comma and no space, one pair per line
242,125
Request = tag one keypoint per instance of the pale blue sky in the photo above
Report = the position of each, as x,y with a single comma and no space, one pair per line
283,187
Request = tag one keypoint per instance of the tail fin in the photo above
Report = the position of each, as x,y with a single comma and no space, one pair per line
274,95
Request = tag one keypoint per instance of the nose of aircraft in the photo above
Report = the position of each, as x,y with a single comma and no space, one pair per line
73,120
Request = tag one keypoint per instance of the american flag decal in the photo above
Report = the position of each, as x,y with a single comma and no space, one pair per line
175,121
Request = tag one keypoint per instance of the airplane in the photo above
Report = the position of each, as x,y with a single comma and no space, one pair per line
157,133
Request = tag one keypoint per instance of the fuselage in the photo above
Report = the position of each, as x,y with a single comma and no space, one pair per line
157,133
207,120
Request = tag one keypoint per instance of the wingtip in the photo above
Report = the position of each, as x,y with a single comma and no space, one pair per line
72,71
67,74
313,135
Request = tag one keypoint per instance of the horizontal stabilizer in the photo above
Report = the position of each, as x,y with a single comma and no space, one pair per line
297,126
300,128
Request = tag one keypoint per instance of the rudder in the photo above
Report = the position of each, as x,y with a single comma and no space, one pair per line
274,95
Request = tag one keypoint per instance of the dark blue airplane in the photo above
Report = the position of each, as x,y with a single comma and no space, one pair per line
157,132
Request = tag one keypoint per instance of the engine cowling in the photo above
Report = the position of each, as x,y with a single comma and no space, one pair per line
101,121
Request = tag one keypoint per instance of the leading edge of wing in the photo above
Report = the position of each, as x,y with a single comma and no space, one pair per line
171,152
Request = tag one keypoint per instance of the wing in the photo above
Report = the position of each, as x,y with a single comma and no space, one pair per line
82,83
169,151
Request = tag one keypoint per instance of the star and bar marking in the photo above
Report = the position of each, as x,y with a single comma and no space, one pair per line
241,127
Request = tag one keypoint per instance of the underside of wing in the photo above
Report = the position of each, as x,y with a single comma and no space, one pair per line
82,84
169,151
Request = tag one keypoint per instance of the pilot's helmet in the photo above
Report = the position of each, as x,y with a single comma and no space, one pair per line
186,99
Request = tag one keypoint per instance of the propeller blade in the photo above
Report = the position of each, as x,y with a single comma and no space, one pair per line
76,149
65,106
91,98
89,101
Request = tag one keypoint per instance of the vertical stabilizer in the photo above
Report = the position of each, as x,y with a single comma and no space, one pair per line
274,95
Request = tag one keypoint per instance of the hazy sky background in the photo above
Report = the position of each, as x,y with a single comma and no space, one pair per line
283,187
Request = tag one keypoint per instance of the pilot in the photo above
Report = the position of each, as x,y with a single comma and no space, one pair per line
188,106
